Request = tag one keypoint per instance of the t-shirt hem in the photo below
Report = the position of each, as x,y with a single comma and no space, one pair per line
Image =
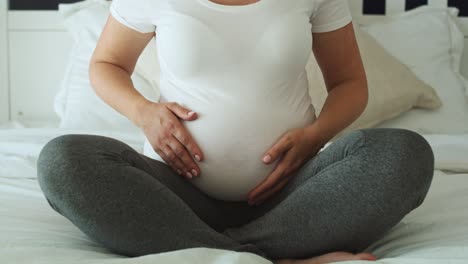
332,26
141,29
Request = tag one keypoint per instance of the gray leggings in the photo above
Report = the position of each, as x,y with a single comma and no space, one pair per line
343,199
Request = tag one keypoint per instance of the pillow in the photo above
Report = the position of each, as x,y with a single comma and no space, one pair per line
77,104
393,88
428,40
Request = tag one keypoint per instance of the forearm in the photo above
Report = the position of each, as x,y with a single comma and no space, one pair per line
344,104
114,86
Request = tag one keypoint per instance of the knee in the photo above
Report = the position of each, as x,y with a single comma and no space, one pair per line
56,152
51,165
413,159
67,153
413,151
400,148
72,159
421,157
64,158
53,154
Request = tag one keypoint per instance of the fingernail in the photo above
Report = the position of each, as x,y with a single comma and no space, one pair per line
189,175
191,113
179,171
267,158
197,157
194,172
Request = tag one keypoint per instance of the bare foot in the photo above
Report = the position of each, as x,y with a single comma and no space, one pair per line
329,257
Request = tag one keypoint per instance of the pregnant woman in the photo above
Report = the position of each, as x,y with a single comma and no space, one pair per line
234,157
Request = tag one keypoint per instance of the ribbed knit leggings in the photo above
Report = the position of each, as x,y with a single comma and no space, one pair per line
343,199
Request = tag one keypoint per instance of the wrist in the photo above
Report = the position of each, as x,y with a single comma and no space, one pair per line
317,135
141,104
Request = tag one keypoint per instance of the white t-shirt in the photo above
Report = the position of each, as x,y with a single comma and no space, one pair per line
242,69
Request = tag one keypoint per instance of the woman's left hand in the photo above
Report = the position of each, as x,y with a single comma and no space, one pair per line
295,147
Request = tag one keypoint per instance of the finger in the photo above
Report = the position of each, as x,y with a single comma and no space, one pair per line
267,194
269,182
181,152
181,111
281,170
184,137
164,151
277,149
166,159
178,166
169,162
174,160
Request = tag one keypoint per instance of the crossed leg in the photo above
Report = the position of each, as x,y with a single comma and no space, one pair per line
346,197
343,199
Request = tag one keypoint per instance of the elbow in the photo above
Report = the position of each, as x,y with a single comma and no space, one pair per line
96,73
365,90
365,85
364,93
360,88
92,69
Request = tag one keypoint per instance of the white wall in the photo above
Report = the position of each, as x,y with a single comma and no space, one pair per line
38,46
4,81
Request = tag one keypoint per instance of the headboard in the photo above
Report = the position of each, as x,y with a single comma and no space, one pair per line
36,48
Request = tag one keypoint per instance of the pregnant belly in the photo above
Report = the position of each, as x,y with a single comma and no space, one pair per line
233,142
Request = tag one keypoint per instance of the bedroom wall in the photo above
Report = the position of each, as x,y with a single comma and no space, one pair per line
4,96
39,48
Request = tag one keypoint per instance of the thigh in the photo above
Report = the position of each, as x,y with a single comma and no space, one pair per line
347,197
337,151
85,156
131,204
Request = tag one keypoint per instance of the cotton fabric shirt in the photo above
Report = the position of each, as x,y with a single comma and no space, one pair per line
242,69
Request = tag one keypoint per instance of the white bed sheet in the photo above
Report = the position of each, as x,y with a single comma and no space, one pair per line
31,232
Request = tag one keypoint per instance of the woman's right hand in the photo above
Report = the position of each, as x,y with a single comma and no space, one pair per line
169,138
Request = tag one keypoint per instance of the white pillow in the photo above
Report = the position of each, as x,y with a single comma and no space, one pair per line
76,103
393,88
428,41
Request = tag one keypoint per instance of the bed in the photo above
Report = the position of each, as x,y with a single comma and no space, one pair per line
32,232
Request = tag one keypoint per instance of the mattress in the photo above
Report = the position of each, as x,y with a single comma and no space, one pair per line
32,232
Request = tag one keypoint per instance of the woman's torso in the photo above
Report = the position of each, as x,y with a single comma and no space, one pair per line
242,69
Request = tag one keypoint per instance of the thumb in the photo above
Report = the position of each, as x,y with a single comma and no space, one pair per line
276,151
181,111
